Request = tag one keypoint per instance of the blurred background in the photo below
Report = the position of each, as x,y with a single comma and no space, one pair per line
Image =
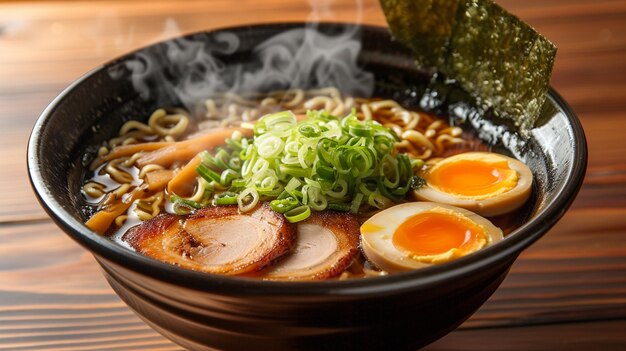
566,292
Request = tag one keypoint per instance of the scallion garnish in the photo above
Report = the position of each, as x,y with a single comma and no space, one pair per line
322,162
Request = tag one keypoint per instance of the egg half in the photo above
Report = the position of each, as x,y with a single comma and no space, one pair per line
420,234
486,183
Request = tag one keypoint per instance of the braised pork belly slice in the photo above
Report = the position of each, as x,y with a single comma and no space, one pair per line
326,245
217,240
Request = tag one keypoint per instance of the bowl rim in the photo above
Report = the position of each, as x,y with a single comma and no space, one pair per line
104,248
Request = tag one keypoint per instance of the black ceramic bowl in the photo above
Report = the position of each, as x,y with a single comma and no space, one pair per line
204,312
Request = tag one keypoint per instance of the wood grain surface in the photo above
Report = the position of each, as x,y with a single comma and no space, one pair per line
567,292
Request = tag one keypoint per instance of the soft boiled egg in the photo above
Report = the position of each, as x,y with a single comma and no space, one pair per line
483,182
419,234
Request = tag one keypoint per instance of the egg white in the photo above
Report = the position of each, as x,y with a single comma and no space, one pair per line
497,204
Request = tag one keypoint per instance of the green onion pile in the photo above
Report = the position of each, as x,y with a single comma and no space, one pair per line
322,162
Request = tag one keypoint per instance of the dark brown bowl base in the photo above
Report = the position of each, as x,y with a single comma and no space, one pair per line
198,321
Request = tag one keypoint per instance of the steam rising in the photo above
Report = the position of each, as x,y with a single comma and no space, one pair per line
302,57
188,70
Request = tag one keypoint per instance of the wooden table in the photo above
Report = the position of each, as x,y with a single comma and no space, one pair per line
567,292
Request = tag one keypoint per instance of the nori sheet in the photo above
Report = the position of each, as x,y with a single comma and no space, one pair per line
500,60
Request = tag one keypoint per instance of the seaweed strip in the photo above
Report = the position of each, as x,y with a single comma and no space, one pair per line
500,60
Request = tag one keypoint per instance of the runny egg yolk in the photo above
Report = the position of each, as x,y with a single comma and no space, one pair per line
434,233
473,177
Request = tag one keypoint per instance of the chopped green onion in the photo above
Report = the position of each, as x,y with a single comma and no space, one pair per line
179,200
247,199
284,205
319,163
368,187
339,207
343,189
390,166
356,203
298,214
235,164
221,159
226,198
309,130
283,195
293,184
269,146
316,199
361,130
326,172
325,149
234,144
386,192
298,172
379,201
228,176
208,174
247,153
416,163
260,166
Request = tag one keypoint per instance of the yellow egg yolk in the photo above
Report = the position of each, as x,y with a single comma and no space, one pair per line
473,178
435,233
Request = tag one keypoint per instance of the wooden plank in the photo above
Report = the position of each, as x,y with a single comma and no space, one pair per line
576,272
39,309
604,335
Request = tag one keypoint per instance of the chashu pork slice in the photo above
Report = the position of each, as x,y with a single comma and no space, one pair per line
326,245
218,240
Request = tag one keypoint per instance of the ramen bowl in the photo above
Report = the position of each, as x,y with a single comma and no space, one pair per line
201,311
